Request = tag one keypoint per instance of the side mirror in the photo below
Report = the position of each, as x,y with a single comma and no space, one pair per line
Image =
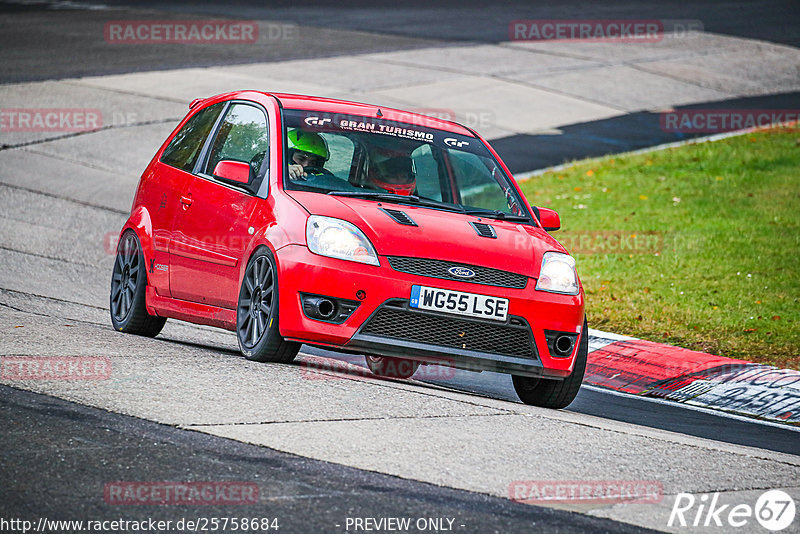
233,171
549,219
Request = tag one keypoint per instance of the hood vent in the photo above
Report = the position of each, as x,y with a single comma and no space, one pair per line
484,230
399,216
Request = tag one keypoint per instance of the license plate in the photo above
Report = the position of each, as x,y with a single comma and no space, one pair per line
459,303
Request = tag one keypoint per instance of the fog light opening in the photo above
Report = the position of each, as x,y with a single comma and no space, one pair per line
325,308
328,309
563,345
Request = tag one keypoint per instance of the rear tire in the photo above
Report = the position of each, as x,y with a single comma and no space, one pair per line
389,367
128,287
257,313
555,393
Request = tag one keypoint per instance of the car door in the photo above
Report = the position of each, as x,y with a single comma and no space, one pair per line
167,182
211,231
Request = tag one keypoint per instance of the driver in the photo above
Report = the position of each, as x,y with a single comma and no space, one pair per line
395,175
306,150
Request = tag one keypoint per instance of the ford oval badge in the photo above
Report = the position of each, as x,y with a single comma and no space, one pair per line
461,272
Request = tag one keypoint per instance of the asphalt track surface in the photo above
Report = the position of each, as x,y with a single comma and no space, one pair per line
55,454
31,30
382,26
326,29
76,451
652,413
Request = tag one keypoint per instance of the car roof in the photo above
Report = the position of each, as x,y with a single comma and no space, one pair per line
332,105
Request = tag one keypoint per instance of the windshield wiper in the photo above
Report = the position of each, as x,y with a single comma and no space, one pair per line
400,199
392,197
497,214
414,199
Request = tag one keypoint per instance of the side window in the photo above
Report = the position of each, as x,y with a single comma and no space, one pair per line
477,185
427,173
242,136
341,150
183,150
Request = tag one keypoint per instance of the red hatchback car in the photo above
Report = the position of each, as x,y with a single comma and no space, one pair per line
293,219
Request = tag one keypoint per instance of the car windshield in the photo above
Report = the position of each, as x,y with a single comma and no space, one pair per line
333,153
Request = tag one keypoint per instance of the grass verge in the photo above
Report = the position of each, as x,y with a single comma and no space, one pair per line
696,246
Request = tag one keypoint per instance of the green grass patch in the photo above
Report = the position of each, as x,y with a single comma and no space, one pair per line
715,262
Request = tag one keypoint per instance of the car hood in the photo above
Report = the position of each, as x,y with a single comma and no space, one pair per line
439,234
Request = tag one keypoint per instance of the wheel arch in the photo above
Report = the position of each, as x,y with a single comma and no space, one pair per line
140,223
272,237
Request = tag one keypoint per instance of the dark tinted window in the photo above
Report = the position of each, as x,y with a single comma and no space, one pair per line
405,158
183,150
242,137
427,173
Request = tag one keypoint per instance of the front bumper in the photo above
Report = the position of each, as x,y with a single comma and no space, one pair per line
431,337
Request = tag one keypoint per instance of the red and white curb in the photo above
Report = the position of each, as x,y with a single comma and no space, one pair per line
648,369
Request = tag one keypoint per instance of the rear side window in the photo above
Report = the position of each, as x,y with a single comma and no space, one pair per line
184,149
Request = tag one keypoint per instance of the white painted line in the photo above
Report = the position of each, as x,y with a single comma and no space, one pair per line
709,411
611,336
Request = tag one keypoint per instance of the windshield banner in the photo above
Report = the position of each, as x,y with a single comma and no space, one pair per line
412,130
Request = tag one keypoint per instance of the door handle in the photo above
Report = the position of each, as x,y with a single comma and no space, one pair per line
186,201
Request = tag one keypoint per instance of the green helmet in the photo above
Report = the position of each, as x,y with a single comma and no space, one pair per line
310,142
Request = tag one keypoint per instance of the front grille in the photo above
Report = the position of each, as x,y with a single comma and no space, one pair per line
434,329
438,269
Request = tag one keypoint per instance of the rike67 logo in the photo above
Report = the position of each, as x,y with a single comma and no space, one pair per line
774,510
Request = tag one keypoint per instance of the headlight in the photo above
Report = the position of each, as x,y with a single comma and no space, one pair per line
339,239
558,274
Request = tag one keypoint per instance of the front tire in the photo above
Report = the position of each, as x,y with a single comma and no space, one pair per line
389,367
128,287
257,313
555,393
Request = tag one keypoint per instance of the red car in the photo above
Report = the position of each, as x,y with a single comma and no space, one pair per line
293,219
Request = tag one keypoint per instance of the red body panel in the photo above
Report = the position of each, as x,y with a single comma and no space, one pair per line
518,247
198,234
207,242
158,202
311,273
